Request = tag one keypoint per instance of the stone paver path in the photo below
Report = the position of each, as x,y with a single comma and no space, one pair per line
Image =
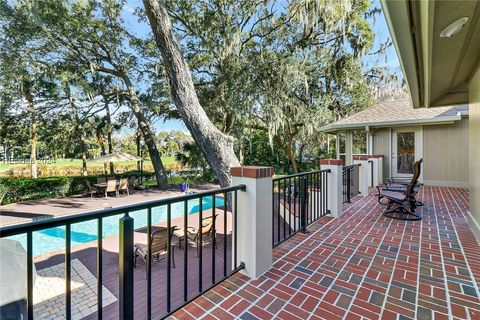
49,292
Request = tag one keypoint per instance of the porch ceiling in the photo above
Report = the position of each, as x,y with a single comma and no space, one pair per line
438,70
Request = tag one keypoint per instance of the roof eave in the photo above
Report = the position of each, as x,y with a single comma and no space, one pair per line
405,46
333,128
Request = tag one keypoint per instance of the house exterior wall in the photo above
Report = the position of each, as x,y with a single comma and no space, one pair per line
474,156
381,145
445,154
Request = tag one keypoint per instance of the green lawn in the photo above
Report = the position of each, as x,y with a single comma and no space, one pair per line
61,163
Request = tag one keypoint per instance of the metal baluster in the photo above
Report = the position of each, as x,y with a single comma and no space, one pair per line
185,250
318,193
235,230
278,212
284,210
225,234
99,269
149,263
273,213
348,185
309,202
314,196
290,203
29,276
289,208
169,257
326,193
295,204
303,204
213,235
125,268
199,246
68,272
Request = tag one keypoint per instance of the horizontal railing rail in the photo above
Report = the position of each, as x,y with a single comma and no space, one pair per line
222,266
298,200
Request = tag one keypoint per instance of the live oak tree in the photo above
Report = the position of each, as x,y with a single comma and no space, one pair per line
23,75
93,35
286,70
215,145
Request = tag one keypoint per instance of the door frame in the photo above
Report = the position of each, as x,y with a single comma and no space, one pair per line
418,149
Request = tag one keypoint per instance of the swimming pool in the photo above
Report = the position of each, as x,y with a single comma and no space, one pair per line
53,239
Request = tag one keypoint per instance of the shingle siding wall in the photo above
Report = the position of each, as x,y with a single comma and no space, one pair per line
445,154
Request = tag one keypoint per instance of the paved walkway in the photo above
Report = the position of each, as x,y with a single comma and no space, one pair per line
363,266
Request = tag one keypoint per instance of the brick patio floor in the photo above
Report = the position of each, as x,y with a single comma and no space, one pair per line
363,266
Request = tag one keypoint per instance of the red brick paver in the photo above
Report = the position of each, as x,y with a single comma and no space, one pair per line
365,266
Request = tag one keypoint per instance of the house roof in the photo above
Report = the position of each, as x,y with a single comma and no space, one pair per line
398,113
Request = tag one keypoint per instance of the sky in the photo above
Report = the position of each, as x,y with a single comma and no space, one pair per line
378,23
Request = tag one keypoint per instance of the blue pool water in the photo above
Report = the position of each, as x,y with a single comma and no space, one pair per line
53,239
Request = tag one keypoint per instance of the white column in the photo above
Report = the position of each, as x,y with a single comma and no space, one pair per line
254,218
380,169
363,174
377,169
334,186
348,147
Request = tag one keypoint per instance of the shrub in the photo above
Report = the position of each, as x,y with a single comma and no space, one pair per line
22,189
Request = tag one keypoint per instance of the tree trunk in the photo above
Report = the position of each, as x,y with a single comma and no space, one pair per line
109,130
148,136
216,147
33,133
290,154
78,129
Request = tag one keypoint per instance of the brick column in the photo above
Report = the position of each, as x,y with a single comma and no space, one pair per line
363,174
254,219
377,160
334,185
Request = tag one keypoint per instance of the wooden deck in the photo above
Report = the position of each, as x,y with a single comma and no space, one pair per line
87,255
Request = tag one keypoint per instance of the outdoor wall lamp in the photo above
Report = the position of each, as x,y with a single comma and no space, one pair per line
454,28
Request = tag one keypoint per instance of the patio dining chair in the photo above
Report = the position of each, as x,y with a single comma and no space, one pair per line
90,189
101,180
123,186
194,235
111,187
159,241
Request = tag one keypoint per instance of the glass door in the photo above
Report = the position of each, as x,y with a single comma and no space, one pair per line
404,151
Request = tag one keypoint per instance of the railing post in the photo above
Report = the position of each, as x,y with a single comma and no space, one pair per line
303,204
254,218
377,161
363,173
334,186
125,268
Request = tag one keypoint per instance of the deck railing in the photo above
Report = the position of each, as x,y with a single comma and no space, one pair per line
350,182
126,250
297,201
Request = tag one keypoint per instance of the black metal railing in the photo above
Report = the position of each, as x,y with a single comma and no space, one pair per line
297,201
226,260
350,182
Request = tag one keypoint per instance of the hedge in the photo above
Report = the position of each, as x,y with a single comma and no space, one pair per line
22,189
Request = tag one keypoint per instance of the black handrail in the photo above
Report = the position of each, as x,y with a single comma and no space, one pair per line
126,249
50,222
304,198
